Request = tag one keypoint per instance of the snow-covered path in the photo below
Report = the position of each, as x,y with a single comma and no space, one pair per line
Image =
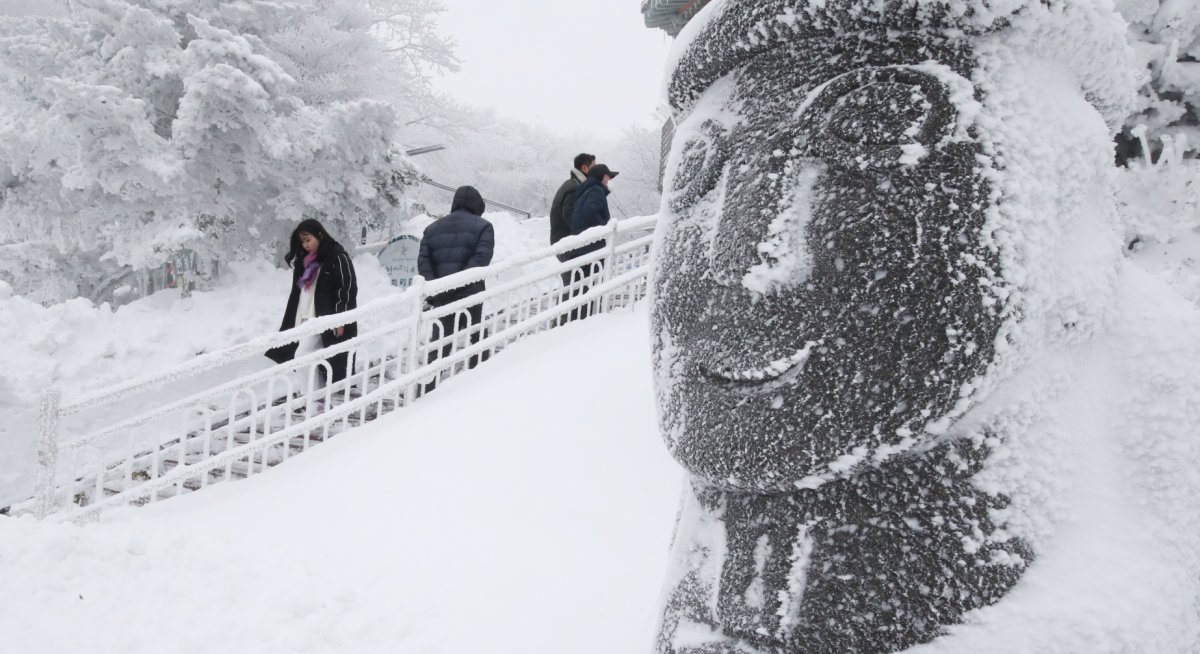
524,508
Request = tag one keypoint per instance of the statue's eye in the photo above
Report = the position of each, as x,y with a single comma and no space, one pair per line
691,162
699,165
881,114
880,118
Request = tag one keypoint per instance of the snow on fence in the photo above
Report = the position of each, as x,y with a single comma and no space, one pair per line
237,428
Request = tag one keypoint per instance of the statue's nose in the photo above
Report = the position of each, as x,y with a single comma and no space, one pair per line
761,241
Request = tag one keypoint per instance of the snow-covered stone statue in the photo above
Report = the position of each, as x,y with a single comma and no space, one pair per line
887,270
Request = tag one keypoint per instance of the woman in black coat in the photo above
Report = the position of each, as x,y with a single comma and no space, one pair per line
323,283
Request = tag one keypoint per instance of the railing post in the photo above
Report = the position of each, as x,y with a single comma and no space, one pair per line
47,453
610,271
414,341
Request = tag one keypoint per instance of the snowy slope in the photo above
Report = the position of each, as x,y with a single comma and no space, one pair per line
524,508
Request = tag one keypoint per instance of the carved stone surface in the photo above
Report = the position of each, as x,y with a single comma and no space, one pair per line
825,301
874,563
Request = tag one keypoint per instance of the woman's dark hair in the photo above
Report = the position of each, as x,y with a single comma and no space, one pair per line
314,227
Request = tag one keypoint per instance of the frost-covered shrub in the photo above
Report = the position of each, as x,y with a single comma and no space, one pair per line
1160,197
130,129
1166,36
1160,214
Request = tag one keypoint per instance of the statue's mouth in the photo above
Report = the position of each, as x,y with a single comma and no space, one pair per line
760,379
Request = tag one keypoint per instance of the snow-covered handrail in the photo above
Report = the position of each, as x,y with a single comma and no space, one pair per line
213,360
311,358
238,427
472,275
179,474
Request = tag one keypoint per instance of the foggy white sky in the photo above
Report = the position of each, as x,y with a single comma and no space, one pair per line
575,66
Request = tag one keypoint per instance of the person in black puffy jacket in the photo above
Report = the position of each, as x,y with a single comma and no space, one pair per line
454,243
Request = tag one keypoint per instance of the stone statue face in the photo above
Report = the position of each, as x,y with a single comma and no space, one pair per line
823,290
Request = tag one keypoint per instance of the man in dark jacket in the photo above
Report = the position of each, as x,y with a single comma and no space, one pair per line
591,210
563,205
560,213
459,241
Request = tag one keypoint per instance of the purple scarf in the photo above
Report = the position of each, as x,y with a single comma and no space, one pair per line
310,272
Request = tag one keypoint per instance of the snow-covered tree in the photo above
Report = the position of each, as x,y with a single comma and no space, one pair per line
130,129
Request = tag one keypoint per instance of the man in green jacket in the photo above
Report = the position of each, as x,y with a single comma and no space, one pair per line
564,200
561,210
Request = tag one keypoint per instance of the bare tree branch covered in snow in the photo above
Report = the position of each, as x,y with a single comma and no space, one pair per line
410,28
522,164
638,150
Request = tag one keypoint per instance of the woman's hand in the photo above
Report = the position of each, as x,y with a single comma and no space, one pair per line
338,331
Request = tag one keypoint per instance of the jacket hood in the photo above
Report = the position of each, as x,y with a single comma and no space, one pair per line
466,197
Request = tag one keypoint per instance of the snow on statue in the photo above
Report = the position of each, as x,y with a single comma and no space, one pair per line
917,388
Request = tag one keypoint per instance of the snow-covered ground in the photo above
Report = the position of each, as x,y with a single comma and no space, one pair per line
524,508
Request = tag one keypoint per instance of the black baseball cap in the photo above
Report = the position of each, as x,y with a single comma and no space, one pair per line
600,170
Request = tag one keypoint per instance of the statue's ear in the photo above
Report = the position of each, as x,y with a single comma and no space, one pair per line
879,118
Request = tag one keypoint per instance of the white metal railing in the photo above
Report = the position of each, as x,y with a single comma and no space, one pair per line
128,445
